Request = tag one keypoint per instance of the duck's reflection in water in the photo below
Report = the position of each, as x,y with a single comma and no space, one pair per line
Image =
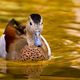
22,70
3,67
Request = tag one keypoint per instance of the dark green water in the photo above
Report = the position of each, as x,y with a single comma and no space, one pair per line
62,31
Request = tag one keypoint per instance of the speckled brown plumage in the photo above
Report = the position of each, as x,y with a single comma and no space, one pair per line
32,53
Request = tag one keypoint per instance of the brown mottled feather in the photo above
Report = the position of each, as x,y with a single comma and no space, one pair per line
32,53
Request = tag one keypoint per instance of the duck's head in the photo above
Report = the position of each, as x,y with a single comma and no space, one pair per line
35,27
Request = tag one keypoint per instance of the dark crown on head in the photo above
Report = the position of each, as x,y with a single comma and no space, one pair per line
36,18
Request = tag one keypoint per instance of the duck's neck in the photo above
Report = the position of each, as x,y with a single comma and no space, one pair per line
30,38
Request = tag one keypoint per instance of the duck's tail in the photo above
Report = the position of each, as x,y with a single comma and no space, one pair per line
3,52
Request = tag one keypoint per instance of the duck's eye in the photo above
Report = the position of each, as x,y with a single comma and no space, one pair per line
30,23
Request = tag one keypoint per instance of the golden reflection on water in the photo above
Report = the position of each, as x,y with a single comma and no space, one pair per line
61,29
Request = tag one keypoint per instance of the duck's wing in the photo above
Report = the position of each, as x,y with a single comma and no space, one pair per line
3,52
15,48
46,46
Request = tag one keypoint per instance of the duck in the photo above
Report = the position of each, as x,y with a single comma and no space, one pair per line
26,43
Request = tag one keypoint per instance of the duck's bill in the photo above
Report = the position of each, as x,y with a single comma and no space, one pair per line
37,39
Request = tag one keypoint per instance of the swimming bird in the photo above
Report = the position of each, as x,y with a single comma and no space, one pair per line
28,43
37,48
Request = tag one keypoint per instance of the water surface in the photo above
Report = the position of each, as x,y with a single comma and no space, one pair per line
61,30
